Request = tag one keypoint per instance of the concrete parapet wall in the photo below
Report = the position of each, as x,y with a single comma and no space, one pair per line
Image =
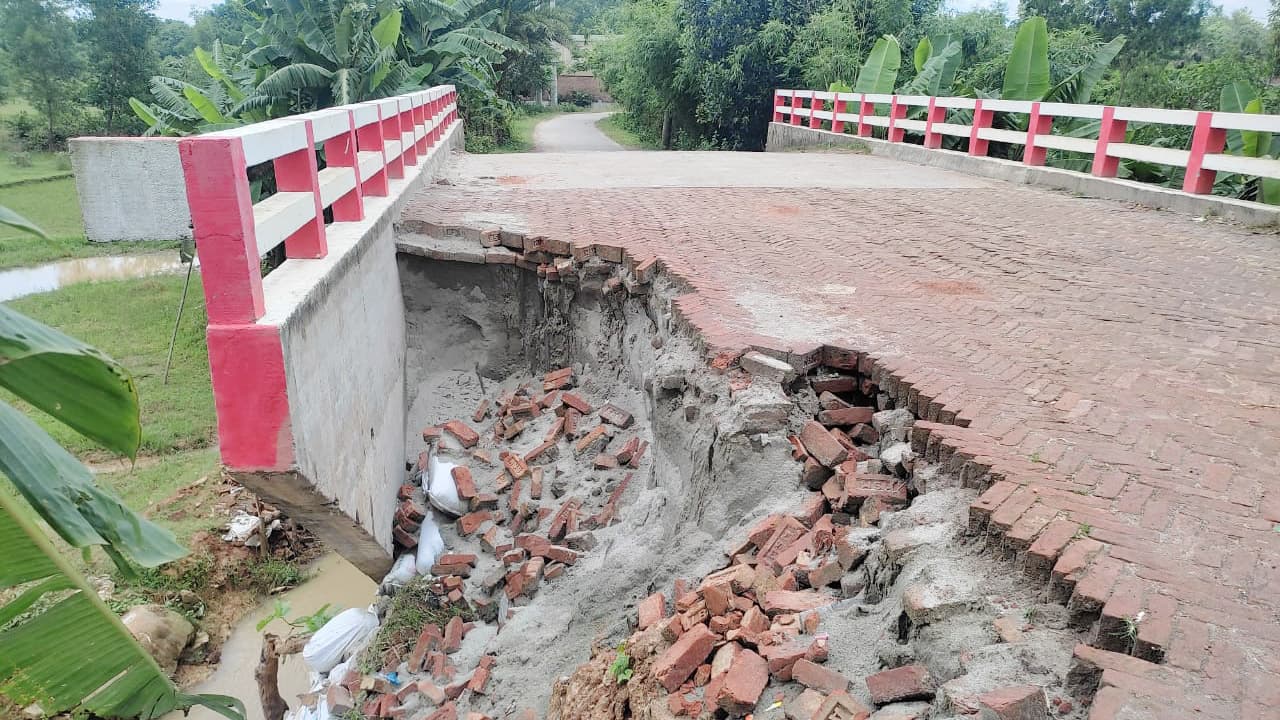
130,188
783,138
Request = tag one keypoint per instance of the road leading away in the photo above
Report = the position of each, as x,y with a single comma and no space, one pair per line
573,132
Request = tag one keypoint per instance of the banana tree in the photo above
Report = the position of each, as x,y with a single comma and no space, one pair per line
182,108
62,650
1239,97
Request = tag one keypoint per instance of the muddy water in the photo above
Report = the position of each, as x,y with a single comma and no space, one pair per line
18,282
336,582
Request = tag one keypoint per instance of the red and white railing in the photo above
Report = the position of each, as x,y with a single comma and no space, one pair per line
365,145
371,150
856,113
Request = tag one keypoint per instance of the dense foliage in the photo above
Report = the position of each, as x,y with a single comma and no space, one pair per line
700,73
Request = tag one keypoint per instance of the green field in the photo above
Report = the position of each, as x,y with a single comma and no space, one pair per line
131,320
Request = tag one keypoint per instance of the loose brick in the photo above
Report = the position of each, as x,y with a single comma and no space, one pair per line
514,464
593,442
822,445
908,682
678,662
615,415
481,412
469,523
813,675
462,432
575,402
651,610
742,684
464,482
1023,702
846,417
767,367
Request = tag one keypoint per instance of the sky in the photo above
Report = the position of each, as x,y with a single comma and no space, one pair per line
181,9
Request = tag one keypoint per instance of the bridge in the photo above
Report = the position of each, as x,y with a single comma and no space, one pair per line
1097,358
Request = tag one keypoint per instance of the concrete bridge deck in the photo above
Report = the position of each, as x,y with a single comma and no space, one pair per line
1117,365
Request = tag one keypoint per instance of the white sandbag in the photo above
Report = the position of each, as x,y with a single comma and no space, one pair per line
430,544
341,637
338,672
402,572
442,491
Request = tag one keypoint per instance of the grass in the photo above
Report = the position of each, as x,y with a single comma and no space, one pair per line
522,130
131,321
412,609
42,165
616,129
53,205
26,250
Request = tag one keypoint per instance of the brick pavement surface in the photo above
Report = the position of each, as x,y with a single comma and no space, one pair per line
1102,369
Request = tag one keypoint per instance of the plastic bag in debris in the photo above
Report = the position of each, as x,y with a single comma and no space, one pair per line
242,527
338,672
343,636
430,544
442,491
405,569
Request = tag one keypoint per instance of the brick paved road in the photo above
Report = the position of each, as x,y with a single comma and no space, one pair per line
1117,366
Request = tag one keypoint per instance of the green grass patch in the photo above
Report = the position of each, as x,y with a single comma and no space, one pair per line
18,166
131,321
28,250
615,126
53,205
412,609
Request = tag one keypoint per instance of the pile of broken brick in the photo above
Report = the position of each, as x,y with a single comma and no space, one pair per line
757,622
521,512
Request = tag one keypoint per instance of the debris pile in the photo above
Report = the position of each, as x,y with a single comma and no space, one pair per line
497,505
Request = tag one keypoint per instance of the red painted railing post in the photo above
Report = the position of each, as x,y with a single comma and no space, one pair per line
340,151
1112,131
777,103
838,107
864,109
981,121
420,120
408,140
1207,140
935,114
815,105
298,172
897,111
1037,124
796,102
221,206
369,139
391,131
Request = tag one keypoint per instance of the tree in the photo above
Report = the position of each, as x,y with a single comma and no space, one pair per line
121,54
1155,28
174,39
39,43
226,22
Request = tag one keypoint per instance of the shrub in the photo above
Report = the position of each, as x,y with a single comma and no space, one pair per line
578,98
21,159
31,131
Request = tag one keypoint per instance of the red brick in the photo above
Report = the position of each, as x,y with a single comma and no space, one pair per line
820,443
834,384
514,465
908,682
841,706
592,442
742,684
462,432
471,522
651,610
403,538
794,601
575,402
815,676
615,415
679,661
1022,702
464,482
782,657
846,417
482,411
453,632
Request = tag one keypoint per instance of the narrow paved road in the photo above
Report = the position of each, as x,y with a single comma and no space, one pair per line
573,132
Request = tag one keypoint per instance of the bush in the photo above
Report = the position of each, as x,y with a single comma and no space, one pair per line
488,118
578,98
21,159
31,131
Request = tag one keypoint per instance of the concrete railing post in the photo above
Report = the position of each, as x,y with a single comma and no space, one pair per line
299,172
981,120
864,109
1037,124
369,139
777,103
408,139
1207,140
340,151
1112,131
935,114
796,102
221,206
897,111
391,131
815,105
837,108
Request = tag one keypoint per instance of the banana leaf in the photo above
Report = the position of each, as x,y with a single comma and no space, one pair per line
1026,74
203,105
62,648
880,71
924,50
929,80
1078,86
14,220
387,31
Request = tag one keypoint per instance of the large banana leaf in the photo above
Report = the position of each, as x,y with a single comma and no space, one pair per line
387,31
294,77
1236,98
924,50
67,652
880,71
1026,74
203,105
75,383
1078,86
212,69
929,80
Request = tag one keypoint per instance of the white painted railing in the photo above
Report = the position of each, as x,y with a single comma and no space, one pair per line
855,113
365,146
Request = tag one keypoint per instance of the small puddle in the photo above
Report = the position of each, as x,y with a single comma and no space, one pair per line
19,282
336,582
